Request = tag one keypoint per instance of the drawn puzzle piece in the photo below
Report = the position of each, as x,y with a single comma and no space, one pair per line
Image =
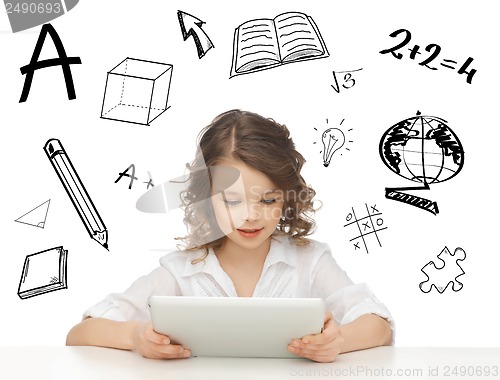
37,216
445,274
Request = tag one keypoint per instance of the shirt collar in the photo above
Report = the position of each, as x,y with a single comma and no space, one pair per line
280,251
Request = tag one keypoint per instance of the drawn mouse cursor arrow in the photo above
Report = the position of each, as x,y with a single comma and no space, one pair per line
191,26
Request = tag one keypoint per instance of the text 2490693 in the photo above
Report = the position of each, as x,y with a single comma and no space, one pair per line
34,8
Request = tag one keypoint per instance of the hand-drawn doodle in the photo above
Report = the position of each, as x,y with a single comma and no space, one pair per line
192,26
28,14
448,271
64,61
333,139
43,272
368,225
434,51
133,177
349,81
150,182
136,91
422,149
37,216
264,43
76,191
125,174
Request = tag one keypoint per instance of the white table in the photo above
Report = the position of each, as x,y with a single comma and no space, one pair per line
89,363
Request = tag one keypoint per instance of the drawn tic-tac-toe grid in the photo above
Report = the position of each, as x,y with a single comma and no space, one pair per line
365,228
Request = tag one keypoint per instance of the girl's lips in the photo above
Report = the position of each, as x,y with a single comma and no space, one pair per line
249,233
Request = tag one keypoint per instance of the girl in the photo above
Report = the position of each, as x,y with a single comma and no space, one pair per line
246,210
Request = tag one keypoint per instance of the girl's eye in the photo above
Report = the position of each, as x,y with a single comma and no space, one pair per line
268,201
231,203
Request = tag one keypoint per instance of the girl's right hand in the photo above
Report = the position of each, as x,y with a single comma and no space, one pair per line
152,345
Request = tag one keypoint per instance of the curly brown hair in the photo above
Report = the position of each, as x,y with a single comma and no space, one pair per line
262,144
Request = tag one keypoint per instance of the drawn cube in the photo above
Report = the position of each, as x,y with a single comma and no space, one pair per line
136,91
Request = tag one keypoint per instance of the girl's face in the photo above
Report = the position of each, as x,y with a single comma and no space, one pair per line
248,210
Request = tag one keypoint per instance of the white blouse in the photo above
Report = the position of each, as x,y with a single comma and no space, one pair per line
289,271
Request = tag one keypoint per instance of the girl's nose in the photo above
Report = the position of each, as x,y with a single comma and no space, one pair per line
251,212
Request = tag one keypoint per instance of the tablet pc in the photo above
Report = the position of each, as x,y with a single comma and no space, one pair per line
236,326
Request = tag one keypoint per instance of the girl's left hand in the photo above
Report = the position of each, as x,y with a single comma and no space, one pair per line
323,347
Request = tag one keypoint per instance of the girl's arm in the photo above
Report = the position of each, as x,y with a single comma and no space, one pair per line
103,333
131,335
369,330
369,322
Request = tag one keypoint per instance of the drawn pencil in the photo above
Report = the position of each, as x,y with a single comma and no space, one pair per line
76,191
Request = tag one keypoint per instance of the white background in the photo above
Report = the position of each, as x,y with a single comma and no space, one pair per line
299,95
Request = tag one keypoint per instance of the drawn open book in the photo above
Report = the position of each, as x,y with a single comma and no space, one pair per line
43,272
263,43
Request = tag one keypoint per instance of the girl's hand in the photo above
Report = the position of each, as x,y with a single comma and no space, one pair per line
152,345
323,347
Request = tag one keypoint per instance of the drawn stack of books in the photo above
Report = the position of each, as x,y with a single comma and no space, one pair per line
43,272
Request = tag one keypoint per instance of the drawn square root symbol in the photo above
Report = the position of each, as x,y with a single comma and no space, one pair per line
136,91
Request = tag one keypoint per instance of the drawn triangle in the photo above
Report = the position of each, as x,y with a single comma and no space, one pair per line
37,216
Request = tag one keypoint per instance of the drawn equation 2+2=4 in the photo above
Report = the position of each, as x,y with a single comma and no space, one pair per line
434,51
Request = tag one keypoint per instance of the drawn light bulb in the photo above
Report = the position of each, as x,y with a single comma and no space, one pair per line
333,139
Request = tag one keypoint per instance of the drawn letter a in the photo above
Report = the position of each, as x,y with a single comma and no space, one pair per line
64,61
125,174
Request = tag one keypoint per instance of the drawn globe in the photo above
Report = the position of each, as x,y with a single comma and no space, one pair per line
422,149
